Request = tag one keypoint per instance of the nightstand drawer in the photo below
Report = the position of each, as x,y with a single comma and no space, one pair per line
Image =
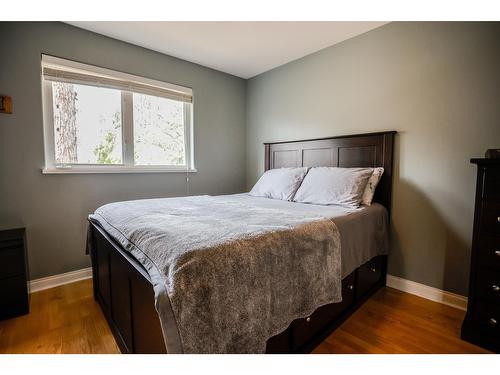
488,251
490,220
486,317
13,297
11,243
488,284
11,262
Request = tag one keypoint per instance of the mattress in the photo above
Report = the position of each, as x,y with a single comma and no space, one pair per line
364,231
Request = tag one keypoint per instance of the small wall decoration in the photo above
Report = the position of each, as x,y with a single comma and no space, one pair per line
5,104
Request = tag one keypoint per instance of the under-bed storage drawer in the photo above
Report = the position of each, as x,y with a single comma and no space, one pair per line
280,344
368,275
305,329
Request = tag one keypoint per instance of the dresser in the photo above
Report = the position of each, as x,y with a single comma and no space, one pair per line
14,297
482,321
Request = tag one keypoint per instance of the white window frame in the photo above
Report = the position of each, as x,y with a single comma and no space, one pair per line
127,166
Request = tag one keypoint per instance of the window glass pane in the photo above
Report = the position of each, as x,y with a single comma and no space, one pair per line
158,131
87,124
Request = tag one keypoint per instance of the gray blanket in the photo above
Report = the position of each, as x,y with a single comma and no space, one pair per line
227,276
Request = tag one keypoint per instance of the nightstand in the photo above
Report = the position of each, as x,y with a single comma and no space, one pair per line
14,297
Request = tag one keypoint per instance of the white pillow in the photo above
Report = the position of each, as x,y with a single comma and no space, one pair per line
327,185
371,185
280,183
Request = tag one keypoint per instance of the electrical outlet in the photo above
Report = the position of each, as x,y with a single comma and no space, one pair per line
5,104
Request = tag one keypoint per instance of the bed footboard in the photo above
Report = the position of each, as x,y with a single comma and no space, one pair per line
124,291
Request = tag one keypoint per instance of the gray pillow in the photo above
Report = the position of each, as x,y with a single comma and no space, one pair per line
340,186
371,185
280,183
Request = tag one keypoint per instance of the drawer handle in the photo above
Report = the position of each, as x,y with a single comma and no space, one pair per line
495,288
497,253
350,287
373,269
308,319
493,322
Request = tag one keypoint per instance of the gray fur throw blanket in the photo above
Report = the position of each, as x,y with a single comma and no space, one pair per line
227,275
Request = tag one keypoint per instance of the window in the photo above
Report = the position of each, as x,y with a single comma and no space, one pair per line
98,120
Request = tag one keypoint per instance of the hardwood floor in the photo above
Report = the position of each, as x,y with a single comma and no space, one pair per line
394,322
67,320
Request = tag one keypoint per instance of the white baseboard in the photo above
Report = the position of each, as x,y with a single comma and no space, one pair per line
447,298
57,280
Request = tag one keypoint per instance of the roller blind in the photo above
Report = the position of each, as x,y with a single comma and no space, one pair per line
122,81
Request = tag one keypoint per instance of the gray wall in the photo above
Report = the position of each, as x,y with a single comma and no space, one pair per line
438,85
54,207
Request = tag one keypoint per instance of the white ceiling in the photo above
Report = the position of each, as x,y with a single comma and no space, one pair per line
244,49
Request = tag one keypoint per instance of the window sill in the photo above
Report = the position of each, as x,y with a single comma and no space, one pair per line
101,170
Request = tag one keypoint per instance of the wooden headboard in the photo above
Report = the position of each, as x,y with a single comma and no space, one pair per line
358,150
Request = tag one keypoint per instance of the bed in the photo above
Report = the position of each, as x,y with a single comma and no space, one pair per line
123,285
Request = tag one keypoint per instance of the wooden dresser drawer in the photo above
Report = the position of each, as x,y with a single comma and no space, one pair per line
488,284
486,317
368,274
488,251
490,220
491,188
305,329
11,261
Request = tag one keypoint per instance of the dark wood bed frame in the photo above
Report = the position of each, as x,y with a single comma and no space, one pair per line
123,289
